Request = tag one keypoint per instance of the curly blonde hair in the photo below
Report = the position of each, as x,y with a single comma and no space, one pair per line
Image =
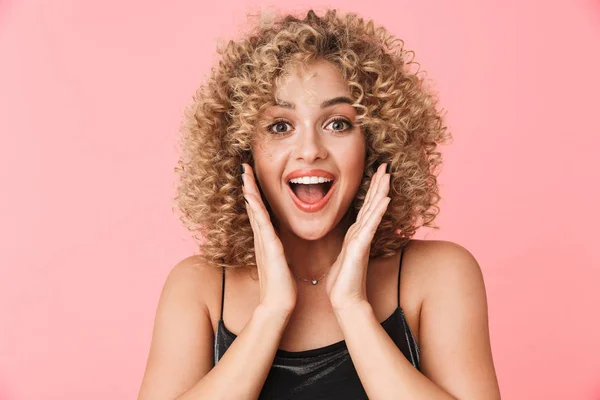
396,112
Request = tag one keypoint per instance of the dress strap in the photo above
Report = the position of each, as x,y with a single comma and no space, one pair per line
400,269
223,293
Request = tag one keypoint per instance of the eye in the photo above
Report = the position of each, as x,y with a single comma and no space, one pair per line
340,122
277,125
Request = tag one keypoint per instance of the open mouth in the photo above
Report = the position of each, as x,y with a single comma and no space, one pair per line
311,197
311,193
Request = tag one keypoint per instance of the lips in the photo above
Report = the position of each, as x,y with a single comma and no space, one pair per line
311,207
309,172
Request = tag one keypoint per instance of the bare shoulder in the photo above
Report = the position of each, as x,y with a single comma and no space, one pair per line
437,249
195,277
195,265
431,262
454,332
194,283
428,267
441,263
181,346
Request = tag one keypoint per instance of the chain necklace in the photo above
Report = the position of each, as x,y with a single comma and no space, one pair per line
313,281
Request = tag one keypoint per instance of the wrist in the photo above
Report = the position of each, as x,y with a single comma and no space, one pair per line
352,308
274,314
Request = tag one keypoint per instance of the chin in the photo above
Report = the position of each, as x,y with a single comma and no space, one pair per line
315,228
307,232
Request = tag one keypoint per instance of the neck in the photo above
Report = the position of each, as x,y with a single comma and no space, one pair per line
311,259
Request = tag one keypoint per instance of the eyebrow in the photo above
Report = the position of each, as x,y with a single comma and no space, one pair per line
325,104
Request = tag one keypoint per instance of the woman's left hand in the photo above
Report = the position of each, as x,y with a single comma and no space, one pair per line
347,282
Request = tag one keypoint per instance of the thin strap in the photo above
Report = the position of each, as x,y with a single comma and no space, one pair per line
223,294
400,269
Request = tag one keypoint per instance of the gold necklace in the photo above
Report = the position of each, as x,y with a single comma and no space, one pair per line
313,281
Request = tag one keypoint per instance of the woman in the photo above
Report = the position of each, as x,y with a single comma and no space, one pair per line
309,285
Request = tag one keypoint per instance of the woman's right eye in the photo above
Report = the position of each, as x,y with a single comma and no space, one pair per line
279,125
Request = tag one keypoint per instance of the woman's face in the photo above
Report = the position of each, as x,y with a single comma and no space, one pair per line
310,133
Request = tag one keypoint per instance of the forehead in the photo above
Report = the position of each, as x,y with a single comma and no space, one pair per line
310,84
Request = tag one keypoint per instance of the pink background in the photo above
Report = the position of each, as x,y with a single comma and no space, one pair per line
91,95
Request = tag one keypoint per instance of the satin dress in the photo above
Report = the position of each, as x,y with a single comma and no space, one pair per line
323,373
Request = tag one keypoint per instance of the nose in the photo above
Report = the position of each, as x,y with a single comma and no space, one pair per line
310,146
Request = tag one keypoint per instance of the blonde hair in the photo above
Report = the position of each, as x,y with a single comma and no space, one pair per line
397,114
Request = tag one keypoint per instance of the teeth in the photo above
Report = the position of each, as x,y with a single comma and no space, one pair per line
308,180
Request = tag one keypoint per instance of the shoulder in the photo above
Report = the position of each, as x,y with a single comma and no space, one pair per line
432,272
194,281
181,346
439,263
454,283
193,273
435,250
453,295
453,321
199,284
185,292
438,275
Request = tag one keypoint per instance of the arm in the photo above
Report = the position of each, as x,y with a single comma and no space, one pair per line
456,359
180,363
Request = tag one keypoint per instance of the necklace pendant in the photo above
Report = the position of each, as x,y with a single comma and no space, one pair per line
314,281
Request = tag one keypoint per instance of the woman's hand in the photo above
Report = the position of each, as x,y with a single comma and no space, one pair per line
277,286
347,282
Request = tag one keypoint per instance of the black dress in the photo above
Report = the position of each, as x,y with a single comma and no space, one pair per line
326,372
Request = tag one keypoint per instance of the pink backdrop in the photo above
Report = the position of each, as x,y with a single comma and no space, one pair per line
91,95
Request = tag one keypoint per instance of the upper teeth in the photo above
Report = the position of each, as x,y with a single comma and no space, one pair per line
307,180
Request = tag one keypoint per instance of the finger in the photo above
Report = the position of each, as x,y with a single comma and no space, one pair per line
373,220
380,187
382,192
250,189
379,191
249,182
384,178
249,202
252,220
374,181
369,194
260,218
262,222
383,187
256,235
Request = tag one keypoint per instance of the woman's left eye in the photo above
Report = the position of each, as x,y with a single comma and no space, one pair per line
340,122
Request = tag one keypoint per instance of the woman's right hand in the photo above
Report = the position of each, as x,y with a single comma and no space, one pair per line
277,285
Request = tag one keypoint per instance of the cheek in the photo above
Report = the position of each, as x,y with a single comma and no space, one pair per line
268,167
262,157
354,155
354,162
266,151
